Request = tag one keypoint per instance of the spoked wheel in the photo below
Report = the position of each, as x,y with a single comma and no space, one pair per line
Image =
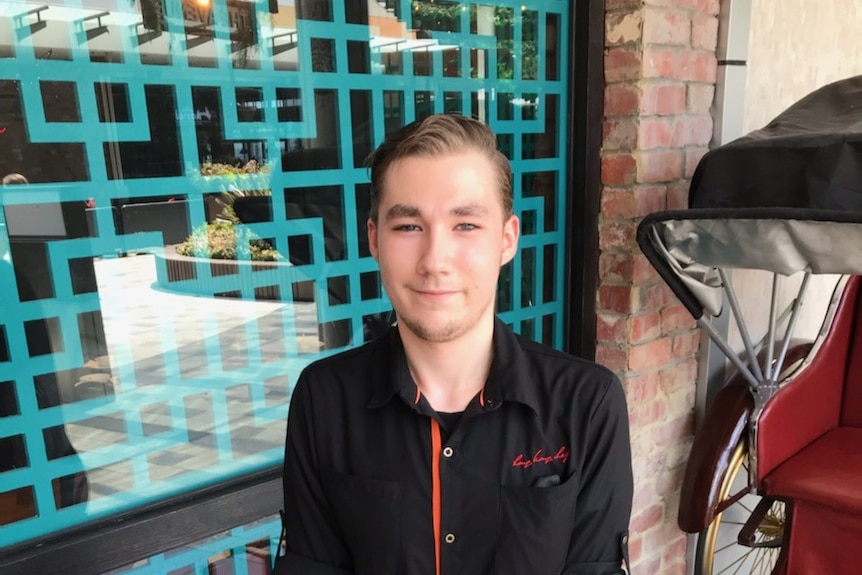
719,551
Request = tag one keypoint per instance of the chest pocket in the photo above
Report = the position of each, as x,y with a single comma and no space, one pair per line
359,502
535,528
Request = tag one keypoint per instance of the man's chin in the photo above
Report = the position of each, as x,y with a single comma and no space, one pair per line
434,333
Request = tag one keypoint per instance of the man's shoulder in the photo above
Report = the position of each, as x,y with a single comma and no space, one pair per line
568,384
554,361
351,367
347,375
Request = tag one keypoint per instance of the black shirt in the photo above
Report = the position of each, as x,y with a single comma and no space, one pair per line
535,479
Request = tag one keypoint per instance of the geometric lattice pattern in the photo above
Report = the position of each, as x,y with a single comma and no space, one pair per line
247,550
129,372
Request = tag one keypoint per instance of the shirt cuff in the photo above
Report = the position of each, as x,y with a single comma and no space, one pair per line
292,564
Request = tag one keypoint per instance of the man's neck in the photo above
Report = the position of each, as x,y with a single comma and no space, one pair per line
451,373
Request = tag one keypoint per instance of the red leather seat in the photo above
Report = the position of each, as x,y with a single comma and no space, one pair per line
810,449
827,472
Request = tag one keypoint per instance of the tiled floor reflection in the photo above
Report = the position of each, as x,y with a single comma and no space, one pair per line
246,550
184,390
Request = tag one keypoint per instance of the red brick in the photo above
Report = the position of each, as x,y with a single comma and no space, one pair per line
641,416
679,64
642,270
641,387
650,355
701,6
650,199
618,203
662,26
692,131
682,375
663,99
671,433
617,235
620,134
618,169
612,327
700,67
659,166
647,462
662,536
704,32
622,64
676,317
692,159
615,298
646,519
622,99
615,267
675,552
655,132
645,492
700,98
677,195
652,297
651,565
674,567
686,345
645,327
613,358
636,547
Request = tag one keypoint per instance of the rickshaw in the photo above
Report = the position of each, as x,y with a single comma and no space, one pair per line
774,480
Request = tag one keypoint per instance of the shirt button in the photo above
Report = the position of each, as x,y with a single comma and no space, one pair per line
448,452
450,538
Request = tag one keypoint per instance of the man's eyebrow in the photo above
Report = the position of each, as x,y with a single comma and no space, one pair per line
401,211
470,210
407,211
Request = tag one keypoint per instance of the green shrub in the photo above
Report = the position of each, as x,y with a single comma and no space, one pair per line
252,174
222,241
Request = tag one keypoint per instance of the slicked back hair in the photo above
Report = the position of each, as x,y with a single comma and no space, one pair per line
435,136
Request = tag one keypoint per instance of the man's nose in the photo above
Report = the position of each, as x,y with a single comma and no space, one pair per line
437,252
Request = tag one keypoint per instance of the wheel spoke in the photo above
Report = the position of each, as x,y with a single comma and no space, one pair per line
719,552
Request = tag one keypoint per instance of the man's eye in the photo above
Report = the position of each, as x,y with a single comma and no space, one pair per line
466,227
407,228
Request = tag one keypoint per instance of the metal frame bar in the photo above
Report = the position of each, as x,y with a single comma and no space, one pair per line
740,323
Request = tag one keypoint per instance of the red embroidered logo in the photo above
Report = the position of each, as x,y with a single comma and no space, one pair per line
526,461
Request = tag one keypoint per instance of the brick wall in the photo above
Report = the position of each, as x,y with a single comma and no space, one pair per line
660,70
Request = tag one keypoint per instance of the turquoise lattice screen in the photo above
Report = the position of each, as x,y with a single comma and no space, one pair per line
129,372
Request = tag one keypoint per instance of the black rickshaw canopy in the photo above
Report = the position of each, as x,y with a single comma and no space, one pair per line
786,198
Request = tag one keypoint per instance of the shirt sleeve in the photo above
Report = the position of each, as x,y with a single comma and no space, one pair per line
311,536
600,537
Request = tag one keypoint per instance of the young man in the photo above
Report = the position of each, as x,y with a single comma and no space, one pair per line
452,446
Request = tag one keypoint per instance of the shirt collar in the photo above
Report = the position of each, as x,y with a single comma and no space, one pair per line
508,380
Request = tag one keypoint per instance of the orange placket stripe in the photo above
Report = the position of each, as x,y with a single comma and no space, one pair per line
482,397
436,507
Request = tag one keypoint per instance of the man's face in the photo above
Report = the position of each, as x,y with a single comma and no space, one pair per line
440,240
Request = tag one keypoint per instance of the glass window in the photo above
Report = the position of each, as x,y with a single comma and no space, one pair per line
182,220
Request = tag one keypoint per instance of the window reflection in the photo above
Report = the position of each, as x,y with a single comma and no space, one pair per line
182,227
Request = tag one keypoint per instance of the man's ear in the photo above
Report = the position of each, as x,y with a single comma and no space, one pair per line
372,238
511,233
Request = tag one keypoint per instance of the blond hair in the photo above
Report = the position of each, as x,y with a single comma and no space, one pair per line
434,136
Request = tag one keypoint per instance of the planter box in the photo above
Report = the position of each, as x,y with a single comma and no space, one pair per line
178,274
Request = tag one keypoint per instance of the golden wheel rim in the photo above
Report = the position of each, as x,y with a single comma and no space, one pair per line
719,553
